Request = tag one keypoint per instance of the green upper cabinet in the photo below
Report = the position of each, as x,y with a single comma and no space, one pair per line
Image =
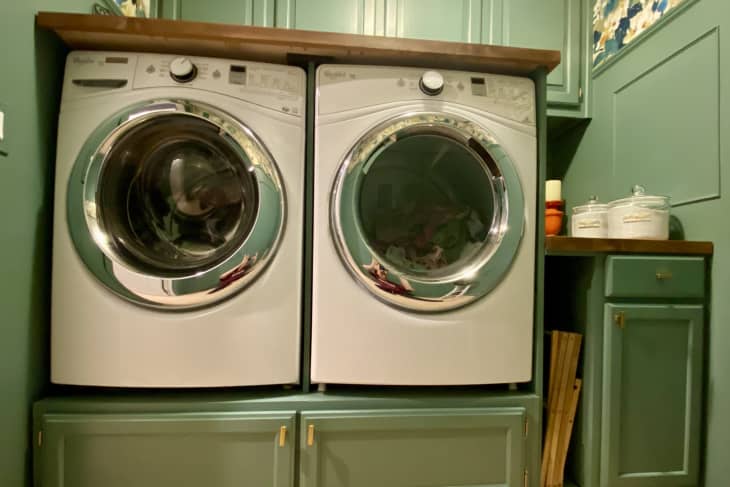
242,12
410,448
347,16
166,450
549,24
652,373
475,21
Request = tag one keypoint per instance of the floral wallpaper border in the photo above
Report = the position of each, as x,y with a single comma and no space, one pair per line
617,23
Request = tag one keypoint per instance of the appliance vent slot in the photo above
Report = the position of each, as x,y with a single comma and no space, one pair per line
100,83
116,60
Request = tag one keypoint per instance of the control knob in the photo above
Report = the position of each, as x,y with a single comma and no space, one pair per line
182,70
431,83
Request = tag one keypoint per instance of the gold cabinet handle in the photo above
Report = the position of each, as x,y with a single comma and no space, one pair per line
282,437
620,319
310,435
663,276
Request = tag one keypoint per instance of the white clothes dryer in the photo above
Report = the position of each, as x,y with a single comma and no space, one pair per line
178,219
424,227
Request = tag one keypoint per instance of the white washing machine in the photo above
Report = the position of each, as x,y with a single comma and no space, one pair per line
424,227
177,248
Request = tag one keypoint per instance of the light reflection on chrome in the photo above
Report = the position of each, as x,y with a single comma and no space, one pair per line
438,291
201,286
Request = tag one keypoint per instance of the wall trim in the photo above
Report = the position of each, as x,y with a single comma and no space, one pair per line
642,37
713,31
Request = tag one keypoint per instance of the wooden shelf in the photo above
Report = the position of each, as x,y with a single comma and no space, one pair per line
578,246
101,32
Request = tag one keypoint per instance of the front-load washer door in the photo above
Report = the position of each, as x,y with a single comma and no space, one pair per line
175,204
427,211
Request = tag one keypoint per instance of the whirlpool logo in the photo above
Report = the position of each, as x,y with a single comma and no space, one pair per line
82,60
332,75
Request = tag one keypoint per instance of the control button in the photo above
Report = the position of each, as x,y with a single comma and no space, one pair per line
285,109
401,82
150,69
460,86
432,83
182,70
216,74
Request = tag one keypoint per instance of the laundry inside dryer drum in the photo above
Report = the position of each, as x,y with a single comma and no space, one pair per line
175,197
426,205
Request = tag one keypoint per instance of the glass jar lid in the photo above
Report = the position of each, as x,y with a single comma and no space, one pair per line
593,206
639,198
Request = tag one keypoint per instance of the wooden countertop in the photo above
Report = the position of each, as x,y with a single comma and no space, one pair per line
578,246
265,44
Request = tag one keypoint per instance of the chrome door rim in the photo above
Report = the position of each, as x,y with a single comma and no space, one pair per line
202,287
419,293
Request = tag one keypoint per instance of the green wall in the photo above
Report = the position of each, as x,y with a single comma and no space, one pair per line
30,80
661,117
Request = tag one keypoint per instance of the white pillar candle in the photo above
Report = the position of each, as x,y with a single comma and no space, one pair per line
552,190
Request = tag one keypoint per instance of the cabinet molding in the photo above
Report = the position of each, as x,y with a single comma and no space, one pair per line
652,395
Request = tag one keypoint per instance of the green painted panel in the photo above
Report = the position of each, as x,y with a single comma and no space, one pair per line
348,16
456,20
549,24
670,114
404,448
591,171
242,12
652,396
222,11
30,88
659,277
161,450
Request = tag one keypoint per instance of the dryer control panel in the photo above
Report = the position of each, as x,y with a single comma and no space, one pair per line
280,88
507,96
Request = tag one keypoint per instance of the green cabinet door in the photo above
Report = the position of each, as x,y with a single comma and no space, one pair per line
347,16
652,372
167,450
408,448
477,21
549,24
241,12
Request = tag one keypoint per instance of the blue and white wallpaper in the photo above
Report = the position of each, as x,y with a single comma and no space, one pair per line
617,23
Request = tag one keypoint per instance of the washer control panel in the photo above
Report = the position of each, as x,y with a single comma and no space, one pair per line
280,88
507,96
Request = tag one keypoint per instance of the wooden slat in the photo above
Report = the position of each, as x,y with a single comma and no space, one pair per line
568,430
98,32
564,423
565,353
567,377
557,355
570,245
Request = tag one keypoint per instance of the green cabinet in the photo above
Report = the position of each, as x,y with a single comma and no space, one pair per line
346,16
407,448
477,21
241,12
275,439
631,276
652,373
166,450
550,24
643,319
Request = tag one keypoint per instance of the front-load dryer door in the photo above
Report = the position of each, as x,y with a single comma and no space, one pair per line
427,212
174,204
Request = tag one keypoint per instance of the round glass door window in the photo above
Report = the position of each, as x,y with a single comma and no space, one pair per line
427,212
182,203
